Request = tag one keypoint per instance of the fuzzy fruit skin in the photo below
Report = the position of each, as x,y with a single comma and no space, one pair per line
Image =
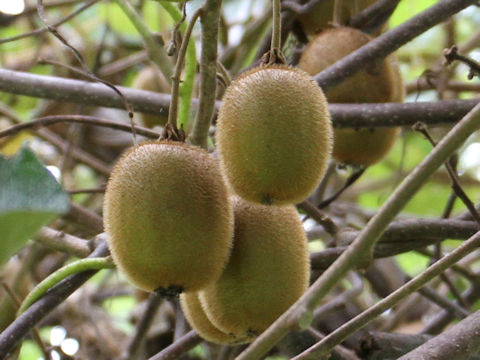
268,270
321,15
152,80
168,216
274,135
364,146
199,321
380,82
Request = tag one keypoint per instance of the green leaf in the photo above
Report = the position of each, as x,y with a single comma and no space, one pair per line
30,198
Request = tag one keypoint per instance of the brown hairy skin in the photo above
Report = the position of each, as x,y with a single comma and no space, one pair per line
274,135
379,82
197,319
363,146
268,270
168,217
320,16
152,80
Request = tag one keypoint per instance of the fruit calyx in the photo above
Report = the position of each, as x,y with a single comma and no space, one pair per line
273,57
172,133
169,293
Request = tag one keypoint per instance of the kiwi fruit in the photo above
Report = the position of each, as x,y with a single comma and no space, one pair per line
274,135
149,78
321,15
168,217
377,83
267,272
199,321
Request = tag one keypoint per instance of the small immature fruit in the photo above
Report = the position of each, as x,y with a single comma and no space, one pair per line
267,272
274,135
199,321
168,217
152,80
379,82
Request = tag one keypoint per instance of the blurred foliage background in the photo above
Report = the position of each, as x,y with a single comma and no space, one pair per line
104,26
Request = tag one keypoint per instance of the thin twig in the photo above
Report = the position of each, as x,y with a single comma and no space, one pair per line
58,23
82,119
453,176
326,344
322,218
452,54
350,181
59,143
172,114
186,87
89,75
185,343
143,326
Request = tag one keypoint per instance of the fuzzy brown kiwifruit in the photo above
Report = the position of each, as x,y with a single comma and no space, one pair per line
377,83
151,79
274,135
321,15
168,217
267,272
197,319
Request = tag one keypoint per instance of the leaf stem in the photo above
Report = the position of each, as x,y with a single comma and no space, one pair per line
54,278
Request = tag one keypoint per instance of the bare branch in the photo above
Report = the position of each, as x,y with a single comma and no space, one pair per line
458,342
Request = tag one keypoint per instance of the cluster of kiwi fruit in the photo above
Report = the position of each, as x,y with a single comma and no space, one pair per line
225,234
176,226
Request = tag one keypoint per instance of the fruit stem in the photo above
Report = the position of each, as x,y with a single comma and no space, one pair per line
275,56
277,27
186,86
62,273
172,114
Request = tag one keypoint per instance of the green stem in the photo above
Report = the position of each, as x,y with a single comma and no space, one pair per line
186,87
277,26
155,51
62,273
172,114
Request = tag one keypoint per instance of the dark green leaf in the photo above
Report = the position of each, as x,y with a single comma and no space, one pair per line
30,198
